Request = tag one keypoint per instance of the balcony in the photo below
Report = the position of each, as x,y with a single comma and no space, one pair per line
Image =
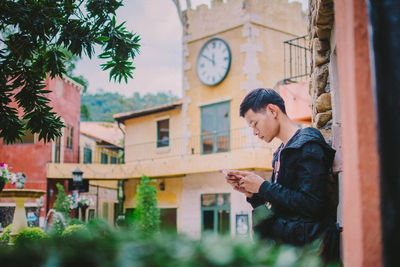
296,53
209,143
209,152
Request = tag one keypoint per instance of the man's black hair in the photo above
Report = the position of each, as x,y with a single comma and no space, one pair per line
260,98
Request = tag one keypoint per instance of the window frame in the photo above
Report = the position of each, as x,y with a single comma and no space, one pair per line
84,154
216,208
215,121
158,142
69,137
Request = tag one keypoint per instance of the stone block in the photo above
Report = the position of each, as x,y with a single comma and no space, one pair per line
322,19
322,45
320,78
320,58
325,7
323,102
323,34
322,118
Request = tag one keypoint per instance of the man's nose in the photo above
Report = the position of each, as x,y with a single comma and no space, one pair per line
255,131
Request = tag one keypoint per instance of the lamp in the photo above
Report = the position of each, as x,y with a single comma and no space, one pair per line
162,185
77,175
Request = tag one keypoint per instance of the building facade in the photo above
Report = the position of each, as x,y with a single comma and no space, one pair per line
32,156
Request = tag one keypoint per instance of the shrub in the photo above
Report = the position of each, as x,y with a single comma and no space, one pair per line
147,214
126,248
58,224
30,234
61,204
76,229
5,236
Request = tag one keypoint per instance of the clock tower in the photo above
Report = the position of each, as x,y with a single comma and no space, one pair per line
230,48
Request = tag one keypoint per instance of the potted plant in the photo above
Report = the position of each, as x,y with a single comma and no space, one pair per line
6,175
84,202
20,180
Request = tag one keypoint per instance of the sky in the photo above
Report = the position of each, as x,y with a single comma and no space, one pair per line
159,64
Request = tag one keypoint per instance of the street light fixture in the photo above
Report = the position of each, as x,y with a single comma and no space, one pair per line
77,175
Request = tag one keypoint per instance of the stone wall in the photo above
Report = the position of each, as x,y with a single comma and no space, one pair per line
321,22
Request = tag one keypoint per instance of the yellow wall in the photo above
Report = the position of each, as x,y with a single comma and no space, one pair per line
85,141
141,136
169,198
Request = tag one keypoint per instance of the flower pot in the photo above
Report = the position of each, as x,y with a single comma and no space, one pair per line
19,185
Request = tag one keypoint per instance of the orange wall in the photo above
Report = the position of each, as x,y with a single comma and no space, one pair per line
361,213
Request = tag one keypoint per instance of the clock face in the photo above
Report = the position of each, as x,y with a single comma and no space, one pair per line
213,62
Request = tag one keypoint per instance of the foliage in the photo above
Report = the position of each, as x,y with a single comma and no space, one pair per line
74,229
102,106
34,37
58,223
5,236
102,246
146,214
29,234
6,175
61,204
84,201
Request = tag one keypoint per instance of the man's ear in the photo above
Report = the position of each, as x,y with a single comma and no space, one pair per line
273,109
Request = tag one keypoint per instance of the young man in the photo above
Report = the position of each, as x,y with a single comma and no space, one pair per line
297,192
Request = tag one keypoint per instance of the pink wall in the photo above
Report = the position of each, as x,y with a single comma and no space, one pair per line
33,158
361,213
297,101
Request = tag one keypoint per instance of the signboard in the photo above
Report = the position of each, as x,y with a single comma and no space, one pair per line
242,224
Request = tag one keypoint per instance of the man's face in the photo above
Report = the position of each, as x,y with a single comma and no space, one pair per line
263,122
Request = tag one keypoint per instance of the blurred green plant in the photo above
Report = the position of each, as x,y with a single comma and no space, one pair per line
146,214
61,204
101,245
75,229
38,39
28,235
5,236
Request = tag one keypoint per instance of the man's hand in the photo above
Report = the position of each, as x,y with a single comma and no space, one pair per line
249,181
234,180
244,191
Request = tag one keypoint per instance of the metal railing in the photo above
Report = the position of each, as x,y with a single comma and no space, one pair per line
296,54
205,144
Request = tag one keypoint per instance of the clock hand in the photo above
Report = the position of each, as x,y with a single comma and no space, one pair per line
212,61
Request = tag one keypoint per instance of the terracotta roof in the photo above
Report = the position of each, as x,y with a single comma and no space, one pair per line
104,131
121,117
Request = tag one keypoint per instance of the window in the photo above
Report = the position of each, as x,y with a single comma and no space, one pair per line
57,149
70,133
27,138
113,160
215,132
168,219
105,211
87,155
104,158
215,213
163,133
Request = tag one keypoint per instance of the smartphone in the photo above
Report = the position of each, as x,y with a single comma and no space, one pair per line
226,171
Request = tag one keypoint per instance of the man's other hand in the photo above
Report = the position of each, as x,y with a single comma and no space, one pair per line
249,181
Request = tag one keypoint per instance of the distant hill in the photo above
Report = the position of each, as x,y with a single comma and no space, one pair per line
102,106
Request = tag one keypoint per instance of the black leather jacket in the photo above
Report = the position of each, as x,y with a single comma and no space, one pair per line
298,198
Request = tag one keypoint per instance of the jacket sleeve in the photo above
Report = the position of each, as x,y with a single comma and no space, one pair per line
307,198
258,199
